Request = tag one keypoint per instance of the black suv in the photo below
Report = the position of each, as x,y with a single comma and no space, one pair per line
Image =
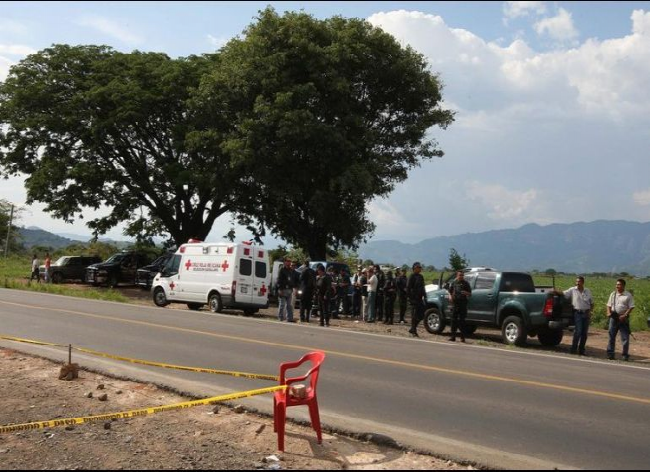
69,268
119,268
146,274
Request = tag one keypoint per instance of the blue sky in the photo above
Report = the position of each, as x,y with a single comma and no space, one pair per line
552,100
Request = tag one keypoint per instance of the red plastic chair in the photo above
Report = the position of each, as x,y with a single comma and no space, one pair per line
282,399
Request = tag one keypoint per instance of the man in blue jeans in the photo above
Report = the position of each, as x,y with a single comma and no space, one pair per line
619,307
286,283
583,303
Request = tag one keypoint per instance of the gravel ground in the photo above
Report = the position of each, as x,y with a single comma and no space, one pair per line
196,438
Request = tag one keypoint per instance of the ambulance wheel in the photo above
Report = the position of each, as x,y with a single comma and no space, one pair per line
215,304
194,306
159,297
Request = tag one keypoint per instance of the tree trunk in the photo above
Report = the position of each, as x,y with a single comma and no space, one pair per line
317,248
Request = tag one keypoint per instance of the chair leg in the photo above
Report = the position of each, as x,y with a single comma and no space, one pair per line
315,420
281,417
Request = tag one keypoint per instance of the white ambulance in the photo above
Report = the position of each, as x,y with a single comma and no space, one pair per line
220,275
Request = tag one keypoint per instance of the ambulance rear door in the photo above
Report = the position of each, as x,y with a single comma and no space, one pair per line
245,268
261,278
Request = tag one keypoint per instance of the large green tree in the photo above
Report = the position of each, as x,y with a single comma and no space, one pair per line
92,127
331,114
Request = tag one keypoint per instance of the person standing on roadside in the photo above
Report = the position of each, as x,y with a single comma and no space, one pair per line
459,291
401,283
364,294
417,296
307,288
379,301
324,294
356,299
390,292
619,307
48,265
286,280
35,270
373,285
583,303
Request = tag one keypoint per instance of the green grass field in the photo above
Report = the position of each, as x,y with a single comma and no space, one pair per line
15,272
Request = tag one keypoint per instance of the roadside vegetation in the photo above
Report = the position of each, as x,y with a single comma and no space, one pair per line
15,271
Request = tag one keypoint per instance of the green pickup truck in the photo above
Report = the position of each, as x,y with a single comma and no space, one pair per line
505,300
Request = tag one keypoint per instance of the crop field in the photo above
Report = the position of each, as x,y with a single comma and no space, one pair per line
601,288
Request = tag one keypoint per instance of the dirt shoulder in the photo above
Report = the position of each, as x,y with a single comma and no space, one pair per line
195,438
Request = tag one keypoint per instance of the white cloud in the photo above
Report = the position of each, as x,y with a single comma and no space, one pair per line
595,80
217,43
560,28
518,9
642,198
111,28
502,203
384,213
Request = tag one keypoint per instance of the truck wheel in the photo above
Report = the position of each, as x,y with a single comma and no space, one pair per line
514,331
215,304
194,306
57,278
551,337
159,297
433,321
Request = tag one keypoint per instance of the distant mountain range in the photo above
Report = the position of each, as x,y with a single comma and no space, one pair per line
599,246
34,236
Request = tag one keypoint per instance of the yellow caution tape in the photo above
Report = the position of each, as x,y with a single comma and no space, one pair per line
136,413
246,375
180,367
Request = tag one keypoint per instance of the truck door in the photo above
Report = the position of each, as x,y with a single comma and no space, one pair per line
483,302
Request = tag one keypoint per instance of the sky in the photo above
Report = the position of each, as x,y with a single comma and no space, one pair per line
552,101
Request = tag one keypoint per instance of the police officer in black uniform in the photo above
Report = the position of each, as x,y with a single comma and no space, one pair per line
460,291
417,296
324,294
401,282
307,288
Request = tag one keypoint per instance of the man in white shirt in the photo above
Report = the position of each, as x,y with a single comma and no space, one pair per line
35,270
583,303
373,284
619,307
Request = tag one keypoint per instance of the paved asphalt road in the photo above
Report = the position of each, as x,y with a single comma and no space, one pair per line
499,407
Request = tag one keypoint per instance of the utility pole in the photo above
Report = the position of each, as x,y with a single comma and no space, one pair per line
11,220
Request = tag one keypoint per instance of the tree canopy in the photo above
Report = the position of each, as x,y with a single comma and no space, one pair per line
295,127
332,113
92,127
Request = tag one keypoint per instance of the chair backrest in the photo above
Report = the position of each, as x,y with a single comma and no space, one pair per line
316,358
